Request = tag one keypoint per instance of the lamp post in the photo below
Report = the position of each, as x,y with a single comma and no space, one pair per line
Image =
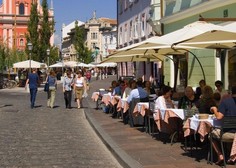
48,53
30,47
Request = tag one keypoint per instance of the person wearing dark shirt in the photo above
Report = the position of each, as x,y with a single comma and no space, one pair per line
188,100
206,101
202,83
33,80
226,108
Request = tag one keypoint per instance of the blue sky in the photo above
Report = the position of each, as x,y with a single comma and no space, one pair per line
67,11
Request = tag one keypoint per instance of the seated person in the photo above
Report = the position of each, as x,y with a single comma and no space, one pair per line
117,91
202,83
138,92
128,89
226,108
164,101
206,101
188,100
148,87
219,88
217,98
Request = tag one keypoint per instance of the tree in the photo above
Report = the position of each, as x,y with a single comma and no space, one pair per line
40,30
33,34
46,31
3,58
84,54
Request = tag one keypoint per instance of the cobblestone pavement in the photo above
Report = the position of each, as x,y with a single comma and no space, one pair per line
43,137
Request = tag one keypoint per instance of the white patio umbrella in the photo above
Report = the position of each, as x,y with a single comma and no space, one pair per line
57,65
29,64
222,38
81,64
188,32
70,63
108,64
91,65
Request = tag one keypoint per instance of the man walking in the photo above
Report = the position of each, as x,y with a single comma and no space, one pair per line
33,80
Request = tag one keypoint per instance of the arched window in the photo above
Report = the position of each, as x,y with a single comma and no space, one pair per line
21,9
21,42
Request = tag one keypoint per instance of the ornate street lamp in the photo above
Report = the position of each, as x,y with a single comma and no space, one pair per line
30,47
48,53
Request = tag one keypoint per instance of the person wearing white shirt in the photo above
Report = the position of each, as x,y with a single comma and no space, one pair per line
139,92
164,101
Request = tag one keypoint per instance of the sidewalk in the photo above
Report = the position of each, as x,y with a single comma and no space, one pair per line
135,148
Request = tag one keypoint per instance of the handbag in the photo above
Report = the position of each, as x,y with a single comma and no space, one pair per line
46,86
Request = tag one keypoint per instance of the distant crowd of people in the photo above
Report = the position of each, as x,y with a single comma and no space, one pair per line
75,84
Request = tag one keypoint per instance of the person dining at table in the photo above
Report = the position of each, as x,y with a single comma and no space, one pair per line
189,99
206,101
128,88
138,92
164,101
148,87
202,83
226,108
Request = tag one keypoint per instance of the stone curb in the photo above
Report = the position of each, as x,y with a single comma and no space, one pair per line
123,158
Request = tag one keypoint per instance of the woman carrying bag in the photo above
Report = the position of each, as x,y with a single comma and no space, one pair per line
52,82
80,88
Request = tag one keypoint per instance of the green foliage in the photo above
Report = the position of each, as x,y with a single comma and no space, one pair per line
33,33
84,54
46,31
40,36
2,58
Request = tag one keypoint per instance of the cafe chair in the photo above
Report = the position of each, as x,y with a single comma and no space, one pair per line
99,102
188,113
227,131
229,123
132,105
151,121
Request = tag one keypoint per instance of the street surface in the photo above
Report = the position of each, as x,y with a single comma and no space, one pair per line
44,138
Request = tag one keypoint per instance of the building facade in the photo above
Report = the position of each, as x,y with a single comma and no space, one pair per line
175,14
133,18
100,38
67,49
14,17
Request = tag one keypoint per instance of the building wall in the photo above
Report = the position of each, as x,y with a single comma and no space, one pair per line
133,27
13,25
211,65
96,30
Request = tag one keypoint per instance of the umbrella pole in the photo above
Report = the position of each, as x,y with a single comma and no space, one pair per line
203,73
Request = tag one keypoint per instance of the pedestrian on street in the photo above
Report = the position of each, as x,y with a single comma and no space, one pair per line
33,81
51,94
80,88
67,88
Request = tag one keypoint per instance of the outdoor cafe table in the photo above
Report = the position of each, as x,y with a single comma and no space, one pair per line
141,108
123,105
201,126
109,99
162,117
95,96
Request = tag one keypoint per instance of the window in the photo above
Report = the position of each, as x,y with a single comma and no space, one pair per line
21,42
120,36
126,32
136,28
111,38
94,36
120,7
131,30
21,9
143,25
